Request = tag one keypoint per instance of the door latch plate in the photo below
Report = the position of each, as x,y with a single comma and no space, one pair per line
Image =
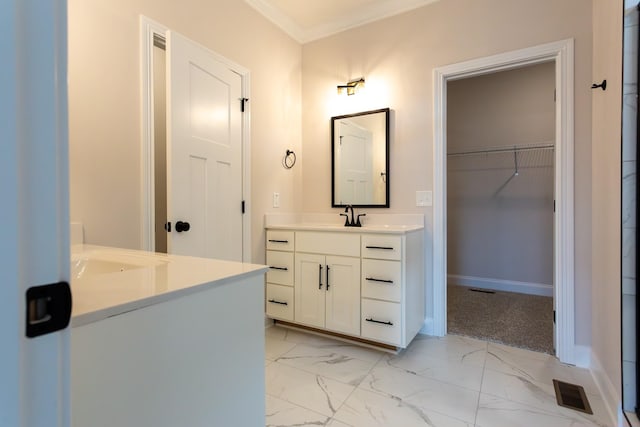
48,308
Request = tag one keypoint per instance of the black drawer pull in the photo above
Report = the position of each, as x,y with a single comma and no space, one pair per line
379,321
278,268
278,241
386,248
278,302
378,280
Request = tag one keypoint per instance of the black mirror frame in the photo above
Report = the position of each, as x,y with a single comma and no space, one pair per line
387,115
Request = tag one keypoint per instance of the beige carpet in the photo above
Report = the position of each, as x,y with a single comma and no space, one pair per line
509,318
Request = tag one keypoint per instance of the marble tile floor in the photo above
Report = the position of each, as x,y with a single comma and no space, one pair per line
453,381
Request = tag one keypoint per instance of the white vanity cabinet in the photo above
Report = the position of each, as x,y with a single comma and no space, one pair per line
357,283
399,299
327,281
279,291
327,292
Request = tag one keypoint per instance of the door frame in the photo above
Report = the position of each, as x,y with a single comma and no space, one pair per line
561,53
149,28
34,183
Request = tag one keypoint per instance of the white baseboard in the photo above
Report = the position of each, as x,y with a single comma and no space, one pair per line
612,400
501,285
582,355
427,327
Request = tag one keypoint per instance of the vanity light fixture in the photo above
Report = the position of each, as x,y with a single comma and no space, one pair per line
351,87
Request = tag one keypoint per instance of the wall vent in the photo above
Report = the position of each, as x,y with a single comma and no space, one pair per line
484,291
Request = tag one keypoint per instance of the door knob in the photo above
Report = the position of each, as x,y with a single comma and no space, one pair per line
182,226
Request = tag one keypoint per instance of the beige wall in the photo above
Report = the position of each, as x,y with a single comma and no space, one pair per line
104,101
606,178
397,57
500,226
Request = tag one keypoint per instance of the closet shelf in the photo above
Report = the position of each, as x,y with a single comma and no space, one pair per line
506,149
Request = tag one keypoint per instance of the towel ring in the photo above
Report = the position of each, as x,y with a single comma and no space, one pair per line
289,159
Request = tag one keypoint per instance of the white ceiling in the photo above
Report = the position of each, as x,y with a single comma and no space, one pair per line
307,20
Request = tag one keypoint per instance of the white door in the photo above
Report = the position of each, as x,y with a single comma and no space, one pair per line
356,174
343,295
34,240
204,145
309,291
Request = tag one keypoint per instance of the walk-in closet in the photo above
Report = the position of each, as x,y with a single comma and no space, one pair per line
500,206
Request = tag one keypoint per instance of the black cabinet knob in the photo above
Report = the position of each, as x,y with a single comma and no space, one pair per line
182,226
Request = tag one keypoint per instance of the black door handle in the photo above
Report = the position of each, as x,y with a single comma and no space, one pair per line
182,226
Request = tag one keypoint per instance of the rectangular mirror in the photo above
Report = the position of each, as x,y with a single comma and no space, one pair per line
360,159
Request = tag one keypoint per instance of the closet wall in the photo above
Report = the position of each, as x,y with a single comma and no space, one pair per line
500,204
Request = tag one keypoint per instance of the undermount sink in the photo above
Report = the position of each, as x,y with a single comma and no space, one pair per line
89,267
341,227
373,223
95,263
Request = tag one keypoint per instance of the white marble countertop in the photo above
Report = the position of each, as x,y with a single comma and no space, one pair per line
381,229
372,223
109,281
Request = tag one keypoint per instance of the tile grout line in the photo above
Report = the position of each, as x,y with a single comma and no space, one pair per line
303,407
331,418
356,388
484,367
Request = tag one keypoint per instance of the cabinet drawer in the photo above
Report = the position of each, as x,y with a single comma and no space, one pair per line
280,267
345,244
279,302
382,279
381,246
381,321
280,240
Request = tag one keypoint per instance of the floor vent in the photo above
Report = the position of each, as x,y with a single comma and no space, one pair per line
571,396
484,291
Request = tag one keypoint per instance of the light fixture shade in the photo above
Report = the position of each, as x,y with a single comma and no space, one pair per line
351,87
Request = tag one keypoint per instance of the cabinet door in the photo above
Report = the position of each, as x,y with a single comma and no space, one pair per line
343,295
309,289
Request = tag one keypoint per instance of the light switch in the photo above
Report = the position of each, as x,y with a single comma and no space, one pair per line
424,198
276,200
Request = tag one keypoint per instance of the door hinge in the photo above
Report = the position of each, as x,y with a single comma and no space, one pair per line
554,317
554,205
243,101
243,206
167,227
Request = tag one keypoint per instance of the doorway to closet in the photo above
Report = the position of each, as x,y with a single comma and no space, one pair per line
561,54
500,134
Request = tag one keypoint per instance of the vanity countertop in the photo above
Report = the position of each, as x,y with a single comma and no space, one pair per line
378,229
109,281
372,223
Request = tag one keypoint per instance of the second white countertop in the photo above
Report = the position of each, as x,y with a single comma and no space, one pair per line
109,281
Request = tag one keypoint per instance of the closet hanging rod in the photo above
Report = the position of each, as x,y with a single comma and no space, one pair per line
548,146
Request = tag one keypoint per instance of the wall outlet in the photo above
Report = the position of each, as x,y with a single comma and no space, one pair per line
424,198
276,200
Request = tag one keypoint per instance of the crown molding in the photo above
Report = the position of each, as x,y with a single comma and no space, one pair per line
367,15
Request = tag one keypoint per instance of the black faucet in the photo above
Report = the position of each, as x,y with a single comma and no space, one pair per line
351,222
